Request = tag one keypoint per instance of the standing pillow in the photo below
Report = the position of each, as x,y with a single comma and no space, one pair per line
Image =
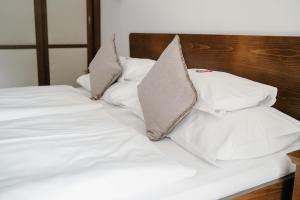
166,94
104,69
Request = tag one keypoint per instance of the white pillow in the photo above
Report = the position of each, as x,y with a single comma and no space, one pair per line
84,81
135,69
244,134
124,94
220,92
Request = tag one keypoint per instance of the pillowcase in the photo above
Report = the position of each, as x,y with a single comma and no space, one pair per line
104,69
166,94
84,81
220,92
244,134
135,69
124,94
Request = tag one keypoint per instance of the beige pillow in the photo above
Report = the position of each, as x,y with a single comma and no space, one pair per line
166,94
104,69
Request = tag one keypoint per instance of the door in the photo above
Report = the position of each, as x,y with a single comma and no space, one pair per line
67,39
47,41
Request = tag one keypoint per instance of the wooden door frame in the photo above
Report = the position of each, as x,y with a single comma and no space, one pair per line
41,31
93,27
93,36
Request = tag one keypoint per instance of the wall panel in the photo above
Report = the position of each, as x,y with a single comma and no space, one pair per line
67,21
66,65
17,22
18,68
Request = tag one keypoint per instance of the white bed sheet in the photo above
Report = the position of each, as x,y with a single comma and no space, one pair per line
84,92
82,155
211,182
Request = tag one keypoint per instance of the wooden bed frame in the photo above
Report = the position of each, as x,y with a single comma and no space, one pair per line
273,60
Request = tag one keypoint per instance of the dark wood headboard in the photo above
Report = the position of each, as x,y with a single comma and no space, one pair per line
272,60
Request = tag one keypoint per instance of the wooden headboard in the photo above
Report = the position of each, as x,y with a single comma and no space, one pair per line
272,60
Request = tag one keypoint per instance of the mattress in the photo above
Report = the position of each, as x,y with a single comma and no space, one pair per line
210,182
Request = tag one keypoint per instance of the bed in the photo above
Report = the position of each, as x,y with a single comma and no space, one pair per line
273,60
91,169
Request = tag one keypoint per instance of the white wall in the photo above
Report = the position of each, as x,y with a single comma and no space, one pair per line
258,17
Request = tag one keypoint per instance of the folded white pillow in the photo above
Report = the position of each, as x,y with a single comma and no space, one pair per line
220,92
245,134
84,81
135,69
124,94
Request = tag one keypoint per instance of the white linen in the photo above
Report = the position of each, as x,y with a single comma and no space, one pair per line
230,177
244,134
84,81
267,130
135,69
84,155
210,182
22,102
220,92
84,92
124,94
